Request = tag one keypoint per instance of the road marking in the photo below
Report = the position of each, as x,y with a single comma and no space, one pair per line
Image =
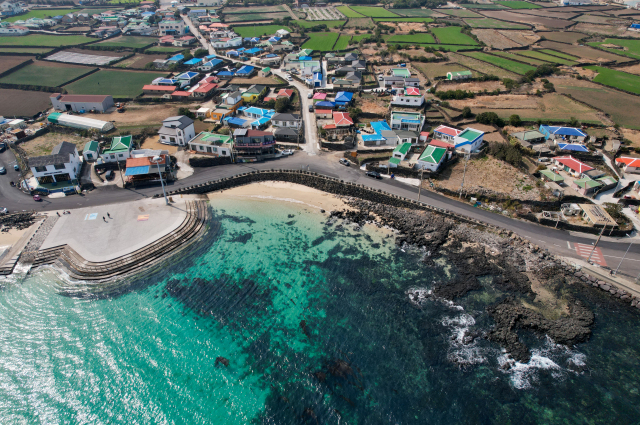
585,251
91,216
568,244
143,217
626,258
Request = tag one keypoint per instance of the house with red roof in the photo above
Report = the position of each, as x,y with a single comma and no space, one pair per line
571,165
288,93
409,96
204,90
342,124
342,119
445,133
629,165
323,113
156,89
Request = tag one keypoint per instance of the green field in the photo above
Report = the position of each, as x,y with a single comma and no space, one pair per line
321,41
249,17
43,13
618,79
309,24
518,4
258,30
509,65
163,49
413,12
408,38
484,6
447,47
494,23
545,57
343,42
632,46
524,59
93,11
373,12
45,40
559,54
452,35
425,20
461,13
256,9
34,50
122,84
49,76
129,41
348,12
357,38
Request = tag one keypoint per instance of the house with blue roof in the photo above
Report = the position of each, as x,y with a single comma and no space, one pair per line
383,134
193,62
225,75
469,140
634,27
236,122
573,147
343,97
209,57
245,71
233,53
570,134
411,121
175,59
211,65
253,51
188,77
274,40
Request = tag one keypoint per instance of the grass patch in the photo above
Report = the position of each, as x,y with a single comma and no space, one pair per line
373,12
509,65
348,12
253,9
461,13
545,57
484,6
247,17
34,50
310,24
558,54
258,30
415,38
494,23
49,76
425,20
531,61
45,40
413,12
357,38
433,70
517,4
632,46
452,35
443,47
42,14
163,49
121,84
618,79
321,41
343,42
129,41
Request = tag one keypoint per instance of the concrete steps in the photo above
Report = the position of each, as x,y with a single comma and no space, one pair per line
79,268
7,268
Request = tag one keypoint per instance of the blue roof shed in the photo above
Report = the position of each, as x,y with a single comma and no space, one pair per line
344,96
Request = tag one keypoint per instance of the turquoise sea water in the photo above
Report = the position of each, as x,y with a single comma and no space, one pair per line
317,328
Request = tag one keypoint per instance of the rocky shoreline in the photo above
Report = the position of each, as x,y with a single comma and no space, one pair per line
518,267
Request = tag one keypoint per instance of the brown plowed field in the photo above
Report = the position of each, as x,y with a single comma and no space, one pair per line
605,29
22,103
549,13
495,39
473,86
480,66
138,61
563,36
526,19
524,38
95,52
8,62
633,69
586,53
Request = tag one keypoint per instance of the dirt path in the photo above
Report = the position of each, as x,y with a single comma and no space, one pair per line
293,15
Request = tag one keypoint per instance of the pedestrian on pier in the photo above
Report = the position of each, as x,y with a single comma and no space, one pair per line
108,215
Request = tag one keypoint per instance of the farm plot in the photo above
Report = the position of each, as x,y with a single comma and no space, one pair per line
253,9
323,13
163,49
129,41
22,103
622,107
484,6
494,39
549,13
32,50
45,40
138,61
357,38
545,57
311,24
119,84
48,74
584,52
517,4
425,20
605,30
631,47
249,17
505,15
348,12
452,35
411,38
494,23
42,14
373,12
443,47
9,62
460,13
563,36
343,42
511,56
509,65
413,13
618,79
523,38
256,31
83,58
359,22
439,69
597,19
558,54
321,41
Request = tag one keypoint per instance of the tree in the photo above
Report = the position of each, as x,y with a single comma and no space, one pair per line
515,120
466,112
490,118
573,122
282,104
187,113
187,55
354,113
509,84
200,53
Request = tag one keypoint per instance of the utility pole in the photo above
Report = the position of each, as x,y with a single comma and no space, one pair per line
466,160
120,169
596,244
625,254
420,187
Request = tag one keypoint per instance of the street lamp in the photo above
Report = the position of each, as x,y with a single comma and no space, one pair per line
623,257
156,160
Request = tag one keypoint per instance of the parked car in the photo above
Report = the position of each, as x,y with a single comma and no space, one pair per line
287,152
544,159
3,210
374,174
3,170
310,108
343,161
380,78
37,198
109,175
16,167
310,95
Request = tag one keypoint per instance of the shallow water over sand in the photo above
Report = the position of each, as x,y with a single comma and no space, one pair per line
317,328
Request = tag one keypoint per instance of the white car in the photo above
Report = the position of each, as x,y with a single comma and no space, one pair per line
3,210
287,152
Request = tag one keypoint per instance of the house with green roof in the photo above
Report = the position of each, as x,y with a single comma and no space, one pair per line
401,151
119,150
91,150
410,121
401,72
431,158
394,162
212,144
586,186
469,140
550,176
459,75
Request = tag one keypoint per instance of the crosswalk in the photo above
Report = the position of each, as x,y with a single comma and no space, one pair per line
584,251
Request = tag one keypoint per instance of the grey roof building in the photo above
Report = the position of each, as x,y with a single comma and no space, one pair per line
59,156
177,130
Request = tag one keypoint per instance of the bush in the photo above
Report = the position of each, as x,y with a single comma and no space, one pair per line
282,104
490,118
187,113
515,120
466,112
200,53
455,94
506,152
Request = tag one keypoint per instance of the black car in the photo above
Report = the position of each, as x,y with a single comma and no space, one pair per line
374,174
109,175
310,108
